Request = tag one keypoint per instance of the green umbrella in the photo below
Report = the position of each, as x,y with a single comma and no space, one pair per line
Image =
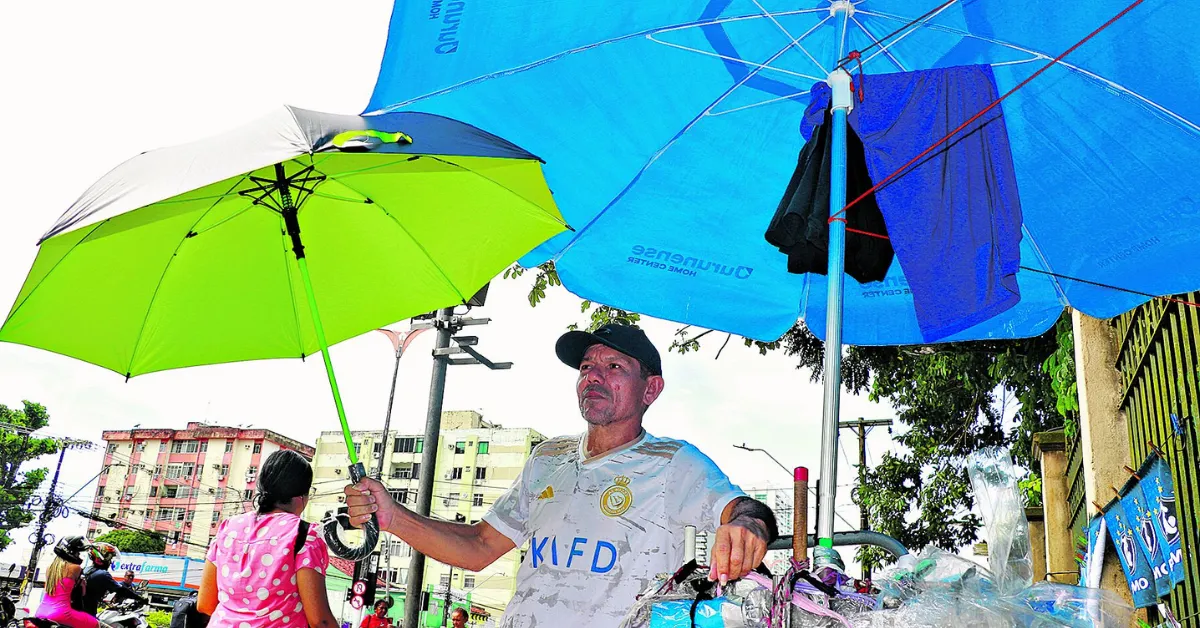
278,239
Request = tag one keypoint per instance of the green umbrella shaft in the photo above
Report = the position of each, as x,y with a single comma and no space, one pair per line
337,395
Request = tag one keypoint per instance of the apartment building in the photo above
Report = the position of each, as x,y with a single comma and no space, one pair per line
182,482
477,461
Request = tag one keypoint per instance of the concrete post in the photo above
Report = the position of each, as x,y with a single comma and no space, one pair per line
1104,434
1037,541
1059,554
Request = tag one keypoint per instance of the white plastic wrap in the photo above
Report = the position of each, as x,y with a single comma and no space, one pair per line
994,479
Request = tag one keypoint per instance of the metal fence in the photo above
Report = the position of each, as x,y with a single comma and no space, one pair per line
1159,363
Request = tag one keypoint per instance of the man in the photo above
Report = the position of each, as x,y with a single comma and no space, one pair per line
127,581
100,583
379,619
458,617
603,512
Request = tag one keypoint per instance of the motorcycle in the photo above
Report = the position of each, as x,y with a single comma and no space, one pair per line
126,614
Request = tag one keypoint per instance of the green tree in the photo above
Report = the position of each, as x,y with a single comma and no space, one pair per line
951,399
134,541
18,446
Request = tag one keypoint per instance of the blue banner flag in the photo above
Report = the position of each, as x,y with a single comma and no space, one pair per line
1133,561
1159,490
1141,520
1093,537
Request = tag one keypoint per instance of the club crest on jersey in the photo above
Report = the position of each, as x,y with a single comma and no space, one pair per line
617,498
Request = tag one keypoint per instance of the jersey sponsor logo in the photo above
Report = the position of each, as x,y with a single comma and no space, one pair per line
545,550
617,498
547,494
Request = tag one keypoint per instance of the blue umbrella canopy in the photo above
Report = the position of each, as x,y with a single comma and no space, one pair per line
673,128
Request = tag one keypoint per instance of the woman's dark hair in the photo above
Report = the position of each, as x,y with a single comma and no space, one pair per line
285,475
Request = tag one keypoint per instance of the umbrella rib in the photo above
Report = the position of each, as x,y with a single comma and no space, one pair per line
560,55
794,41
154,297
875,40
18,306
653,158
1041,55
339,179
410,236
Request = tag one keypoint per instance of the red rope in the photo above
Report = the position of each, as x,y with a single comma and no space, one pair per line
993,105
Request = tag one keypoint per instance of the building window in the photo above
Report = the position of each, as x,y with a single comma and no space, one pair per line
141,446
251,474
452,500
420,446
460,447
456,473
477,500
191,515
224,470
258,448
154,491
468,582
480,473
376,449
358,448
404,445
444,581
203,446
112,448
228,446
162,446
185,447
149,514
483,446
247,495
416,470
216,516
158,469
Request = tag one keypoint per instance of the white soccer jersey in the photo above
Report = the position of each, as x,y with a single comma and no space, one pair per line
600,528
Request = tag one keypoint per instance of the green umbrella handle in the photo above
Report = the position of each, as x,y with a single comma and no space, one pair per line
357,472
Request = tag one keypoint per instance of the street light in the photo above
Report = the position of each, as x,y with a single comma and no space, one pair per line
789,472
400,341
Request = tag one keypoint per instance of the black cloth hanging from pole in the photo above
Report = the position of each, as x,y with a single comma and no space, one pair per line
800,227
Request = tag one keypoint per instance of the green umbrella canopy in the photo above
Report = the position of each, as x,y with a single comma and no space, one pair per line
182,257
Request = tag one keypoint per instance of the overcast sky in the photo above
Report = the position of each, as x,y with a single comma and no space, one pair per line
88,85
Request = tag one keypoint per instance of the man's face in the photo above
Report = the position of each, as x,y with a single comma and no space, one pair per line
380,610
611,388
128,578
458,620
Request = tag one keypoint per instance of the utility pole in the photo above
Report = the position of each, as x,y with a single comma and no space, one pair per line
860,426
52,506
446,601
447,324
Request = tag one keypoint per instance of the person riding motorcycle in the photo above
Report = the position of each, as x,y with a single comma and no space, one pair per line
63,581
100,583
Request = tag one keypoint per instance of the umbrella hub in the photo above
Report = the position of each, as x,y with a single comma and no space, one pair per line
841,6
285,194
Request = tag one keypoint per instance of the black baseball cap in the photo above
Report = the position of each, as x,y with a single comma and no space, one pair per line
627,339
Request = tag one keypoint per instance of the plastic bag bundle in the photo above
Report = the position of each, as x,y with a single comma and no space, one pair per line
994,480
687,598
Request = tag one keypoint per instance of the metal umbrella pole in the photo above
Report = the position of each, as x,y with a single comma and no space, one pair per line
842,103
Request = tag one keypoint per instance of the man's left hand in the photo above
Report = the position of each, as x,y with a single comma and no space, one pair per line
740,546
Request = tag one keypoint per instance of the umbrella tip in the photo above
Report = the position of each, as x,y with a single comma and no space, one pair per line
127,376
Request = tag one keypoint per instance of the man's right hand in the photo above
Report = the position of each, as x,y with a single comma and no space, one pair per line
370,496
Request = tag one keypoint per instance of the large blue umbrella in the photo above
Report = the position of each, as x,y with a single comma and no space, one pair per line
673,128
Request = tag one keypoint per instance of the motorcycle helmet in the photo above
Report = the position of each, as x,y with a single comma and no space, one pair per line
69,548
102,554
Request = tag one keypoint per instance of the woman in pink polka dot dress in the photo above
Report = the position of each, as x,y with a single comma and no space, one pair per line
258,573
